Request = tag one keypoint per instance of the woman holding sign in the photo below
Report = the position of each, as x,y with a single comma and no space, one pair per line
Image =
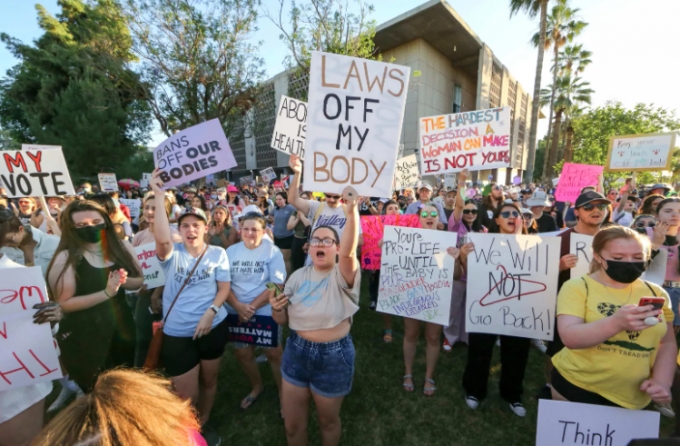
514,350
616,328
318,303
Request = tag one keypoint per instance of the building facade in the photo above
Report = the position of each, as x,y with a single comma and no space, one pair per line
452,71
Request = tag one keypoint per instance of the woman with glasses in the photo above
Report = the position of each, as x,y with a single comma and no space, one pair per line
643,221
318,303
254,263
429,219
514,350
464,220
529,221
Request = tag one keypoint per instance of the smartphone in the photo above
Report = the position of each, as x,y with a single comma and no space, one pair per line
656,302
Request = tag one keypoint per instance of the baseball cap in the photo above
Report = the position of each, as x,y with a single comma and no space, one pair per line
190,190
425,185
589,197
250,209
196,212
232,188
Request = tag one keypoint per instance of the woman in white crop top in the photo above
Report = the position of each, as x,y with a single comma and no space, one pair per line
318,303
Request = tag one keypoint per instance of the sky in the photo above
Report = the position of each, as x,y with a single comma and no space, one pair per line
634,43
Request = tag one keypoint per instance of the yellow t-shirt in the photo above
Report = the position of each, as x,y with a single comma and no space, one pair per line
616,368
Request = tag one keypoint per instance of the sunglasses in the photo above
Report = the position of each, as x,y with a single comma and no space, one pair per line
589,207
507,214
426,214
528,216
333,197
470,211
641,224
325,242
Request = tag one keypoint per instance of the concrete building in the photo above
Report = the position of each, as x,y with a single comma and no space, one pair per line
458,73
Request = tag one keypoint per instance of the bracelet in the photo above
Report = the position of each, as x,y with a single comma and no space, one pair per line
107,294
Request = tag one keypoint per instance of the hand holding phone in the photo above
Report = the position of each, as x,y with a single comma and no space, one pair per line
657,303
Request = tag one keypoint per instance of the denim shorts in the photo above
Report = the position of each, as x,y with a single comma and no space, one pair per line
326,368
674,294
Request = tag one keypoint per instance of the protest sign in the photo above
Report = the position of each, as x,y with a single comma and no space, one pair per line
416,274
566,423
406,174
261,331
144,182
151,267
135,206
193,153
244,181
290,127
38,147
35,173
476,140
27,352
108,182
575,177
515,285
652,151
373,227
268,174
354,122
450,180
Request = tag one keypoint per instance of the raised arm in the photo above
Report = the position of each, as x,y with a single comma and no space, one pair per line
350,237
300,204
161,230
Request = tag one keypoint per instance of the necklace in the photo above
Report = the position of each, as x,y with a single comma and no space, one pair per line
630,293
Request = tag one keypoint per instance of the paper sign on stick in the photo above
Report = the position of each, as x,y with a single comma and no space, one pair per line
575,177
566,423
515,285
35,173
653,151
373,227
151,267
475,140
416,274
354,123
268,174
38,147
135,206
290,127
406,174
193,153
144,182
108,182
27,353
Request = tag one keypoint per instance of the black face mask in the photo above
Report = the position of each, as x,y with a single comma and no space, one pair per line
91,234
625,272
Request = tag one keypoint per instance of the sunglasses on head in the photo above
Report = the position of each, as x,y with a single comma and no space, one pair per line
641,224
589,207
470,211
426,214
507,214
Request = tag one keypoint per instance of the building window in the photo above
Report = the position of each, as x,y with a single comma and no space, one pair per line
457,98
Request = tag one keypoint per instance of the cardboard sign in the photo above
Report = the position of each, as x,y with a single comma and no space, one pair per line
515,285
653,151
354,122
35,173
135,206
290,127
38,147
151,267
193,153
27,350
450,180
144,182
566,423
268,174
416,274
373,227
261,331
108,182
245,180
575,177
476,140
407,173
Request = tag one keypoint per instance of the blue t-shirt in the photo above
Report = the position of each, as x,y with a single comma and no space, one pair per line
252,270
199,293
281,217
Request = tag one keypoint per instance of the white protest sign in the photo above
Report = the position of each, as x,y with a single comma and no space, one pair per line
566,423
151,267
290,127
475,140
135,206
356,109
450,180
515,285
108,182
416,274
38,147
652,151
406,173
35,173
27,352
193,153
144,182
268,174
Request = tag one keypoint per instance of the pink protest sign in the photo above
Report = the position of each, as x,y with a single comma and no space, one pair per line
575,177
373,227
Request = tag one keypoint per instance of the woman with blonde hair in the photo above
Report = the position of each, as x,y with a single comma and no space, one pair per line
123,409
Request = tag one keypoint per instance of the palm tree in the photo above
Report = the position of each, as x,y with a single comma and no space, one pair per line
561,27
573,59
533,7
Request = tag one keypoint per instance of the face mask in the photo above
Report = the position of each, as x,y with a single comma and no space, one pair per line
91,234
625,272
213,197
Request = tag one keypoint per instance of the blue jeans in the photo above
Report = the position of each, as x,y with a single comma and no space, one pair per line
326,368
674,294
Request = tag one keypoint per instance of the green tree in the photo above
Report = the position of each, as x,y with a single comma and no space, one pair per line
72,88
573,59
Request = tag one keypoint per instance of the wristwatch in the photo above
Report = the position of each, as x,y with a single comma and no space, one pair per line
214,308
